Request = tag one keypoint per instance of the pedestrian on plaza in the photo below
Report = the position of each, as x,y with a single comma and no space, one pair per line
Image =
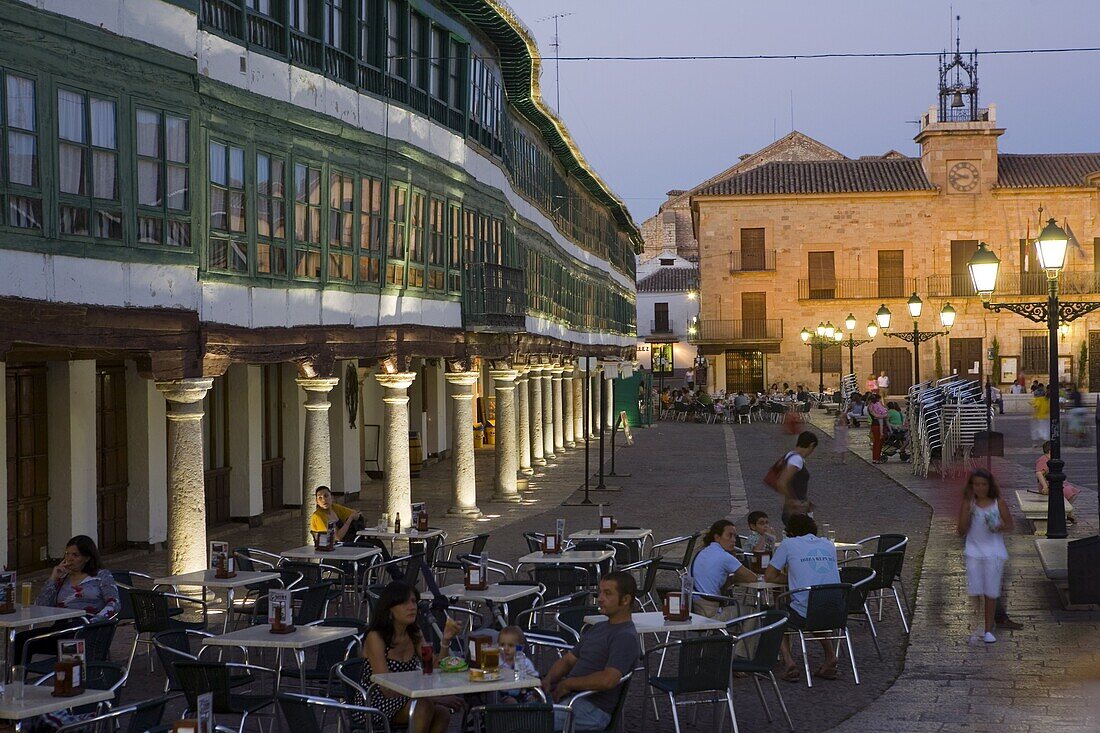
995,397
840,437
872,384
983,519
690,377
883,383
1040,415
794,480
1069,491
878,414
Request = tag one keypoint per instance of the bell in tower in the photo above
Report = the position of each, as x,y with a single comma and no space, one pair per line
959,85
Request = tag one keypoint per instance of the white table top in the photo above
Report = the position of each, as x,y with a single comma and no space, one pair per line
568,557
409,534
206,578
416,684
653,622
619,534
848,546
341,552
761,585
260,637
25,616
39,700
495,592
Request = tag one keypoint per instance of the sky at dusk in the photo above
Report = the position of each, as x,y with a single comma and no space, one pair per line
650,126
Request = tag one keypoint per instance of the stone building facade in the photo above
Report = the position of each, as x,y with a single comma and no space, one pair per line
787,245
247,249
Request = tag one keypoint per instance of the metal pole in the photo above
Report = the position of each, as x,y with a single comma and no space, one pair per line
1056,510
1097,436
916,354
820,368
988,425
603,389
851,354
587,432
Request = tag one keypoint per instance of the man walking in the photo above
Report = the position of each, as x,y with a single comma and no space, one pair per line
883,385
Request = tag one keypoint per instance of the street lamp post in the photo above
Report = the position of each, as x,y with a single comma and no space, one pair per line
824,336
852,342
917,336
984,266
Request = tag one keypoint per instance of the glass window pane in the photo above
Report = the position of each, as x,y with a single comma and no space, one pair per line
278,177
263,175
24,212
73,220
22,159
149,230
314,186
148,133
149,191
103,123
218,216
217,163
21,112
70,116
179,233
178,198
236,167
108,224
278,220
71,167
103,175
236,211
176,147
301,174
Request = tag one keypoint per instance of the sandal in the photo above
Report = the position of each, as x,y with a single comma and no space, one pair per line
826,674
793,674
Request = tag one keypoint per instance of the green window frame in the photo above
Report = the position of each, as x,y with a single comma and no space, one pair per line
370,22
371,227
454,237
396,23
162,184
417,233
341,227
437,244
307,221
20,176
456,73
271,214
469,238
419,45
228,212
397,223
89,202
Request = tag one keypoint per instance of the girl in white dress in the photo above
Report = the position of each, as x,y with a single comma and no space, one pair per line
983,519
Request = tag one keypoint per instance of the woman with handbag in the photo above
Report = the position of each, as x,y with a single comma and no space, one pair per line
879,415
791,479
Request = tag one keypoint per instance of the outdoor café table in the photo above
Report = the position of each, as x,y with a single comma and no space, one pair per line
637,536
762,588
206,579
653,622
391,537
25,617
343,553
39,700
416,685
494,596
302,638
568,557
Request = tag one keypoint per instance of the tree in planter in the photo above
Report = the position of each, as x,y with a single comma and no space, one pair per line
995,351
1083,366
938,363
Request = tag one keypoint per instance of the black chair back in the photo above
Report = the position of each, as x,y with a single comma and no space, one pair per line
704,664
173,646
534,541
311,572
562,580
150,611
244,560
860,578
314,600
97,636
103,675
198,678
769,640
124,580
146,715
620,703
514,608
827,607
892,543
336,651
573,616
299,717
353,670
887,567
528,718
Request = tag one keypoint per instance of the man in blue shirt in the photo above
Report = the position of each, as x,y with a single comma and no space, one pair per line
802,560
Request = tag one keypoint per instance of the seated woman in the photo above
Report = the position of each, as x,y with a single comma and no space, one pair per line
856,411
1069,491
393,644
328,512
715,567
894,419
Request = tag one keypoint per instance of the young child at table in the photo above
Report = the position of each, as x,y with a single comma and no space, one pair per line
760,538
509,638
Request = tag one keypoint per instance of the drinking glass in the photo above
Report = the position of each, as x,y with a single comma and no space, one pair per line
26,594
825,530
19,673
832,535
490,658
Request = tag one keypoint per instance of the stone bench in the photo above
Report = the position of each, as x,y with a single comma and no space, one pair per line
1034,506
1053,554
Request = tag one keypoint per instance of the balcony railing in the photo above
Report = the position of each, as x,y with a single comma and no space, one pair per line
1017,283
770,329
887,287
956,285
752,261
494,298
660,327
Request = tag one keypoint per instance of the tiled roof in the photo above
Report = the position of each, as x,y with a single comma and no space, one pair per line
824,176
668,279
1045,171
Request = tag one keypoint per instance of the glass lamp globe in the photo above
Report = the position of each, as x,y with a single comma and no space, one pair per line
983,267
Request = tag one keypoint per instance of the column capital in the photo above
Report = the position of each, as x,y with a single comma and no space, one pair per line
522,371
556,371
536,369
397,380
504,376
462,379
317,384
568,369
185,391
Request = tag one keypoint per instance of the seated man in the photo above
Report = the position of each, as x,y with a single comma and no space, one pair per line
801,560
715,568
606,651
857,411
741,399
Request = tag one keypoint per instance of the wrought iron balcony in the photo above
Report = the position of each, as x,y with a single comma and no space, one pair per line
957,285
661,327
494,298
738,330
1017,283
856,288
752,261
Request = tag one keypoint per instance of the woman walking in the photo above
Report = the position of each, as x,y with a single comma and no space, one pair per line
878,414
983,520
794,479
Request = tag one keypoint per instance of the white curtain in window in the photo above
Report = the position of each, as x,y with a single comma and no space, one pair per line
21,103
105,182
149,183
71,168
177,188
175,144
217,163
22,159
148,133
103,123
70,116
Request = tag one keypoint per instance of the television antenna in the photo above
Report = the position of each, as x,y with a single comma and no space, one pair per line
556,45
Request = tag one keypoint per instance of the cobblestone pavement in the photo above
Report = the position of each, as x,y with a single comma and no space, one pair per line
1041,678
682,480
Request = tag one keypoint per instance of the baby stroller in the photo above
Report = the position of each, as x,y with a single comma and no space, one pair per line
894,444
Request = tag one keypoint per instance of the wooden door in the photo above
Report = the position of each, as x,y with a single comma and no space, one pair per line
897,362
215,433
272,473
752,249
963,354
822,269
754,315
27,466
961,252
744,372
891,273
112,476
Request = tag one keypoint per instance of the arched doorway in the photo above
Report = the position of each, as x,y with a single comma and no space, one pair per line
897,362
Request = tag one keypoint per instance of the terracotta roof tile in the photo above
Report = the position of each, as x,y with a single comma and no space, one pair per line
1045,170
824,176
669,279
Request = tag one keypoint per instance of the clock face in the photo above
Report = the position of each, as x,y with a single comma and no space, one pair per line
963,176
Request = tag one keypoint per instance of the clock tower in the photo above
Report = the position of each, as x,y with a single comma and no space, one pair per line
958,138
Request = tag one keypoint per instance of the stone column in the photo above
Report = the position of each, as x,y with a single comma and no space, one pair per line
397,484
594,403
186,489
608,397
463,486
523,420
244,391
316,452
538,455
578,406
567,406
71,446
504,485
559,409
547,413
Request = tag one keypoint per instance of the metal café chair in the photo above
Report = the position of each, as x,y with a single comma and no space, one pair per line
620,703
529,718
300,714
826,620
860,579
143,717
197,678
767,634
703,669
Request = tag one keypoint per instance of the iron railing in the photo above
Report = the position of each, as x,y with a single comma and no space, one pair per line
1016,283
660,326
741,329
494,298
752,260
886,287
958,285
